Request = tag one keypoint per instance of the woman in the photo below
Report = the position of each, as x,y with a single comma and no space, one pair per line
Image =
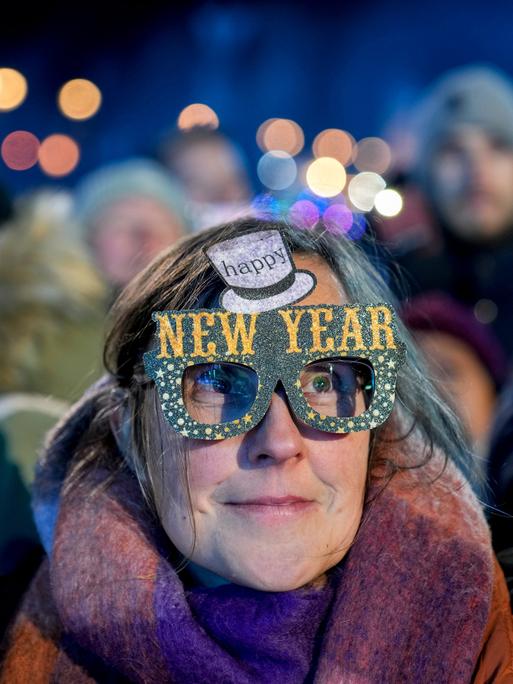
304,547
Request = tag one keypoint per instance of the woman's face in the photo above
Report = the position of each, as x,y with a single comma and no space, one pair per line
276,507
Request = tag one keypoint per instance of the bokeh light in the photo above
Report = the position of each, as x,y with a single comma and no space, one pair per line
363,188
197,114
277,170
304,214
338,219
261,132
326,177
281,134
388,202
19,150
79,99
372,154
335,143
485,311
13,89
58,155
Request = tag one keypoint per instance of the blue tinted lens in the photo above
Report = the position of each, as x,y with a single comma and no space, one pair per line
218,392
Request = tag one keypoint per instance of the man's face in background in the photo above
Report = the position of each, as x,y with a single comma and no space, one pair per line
471,179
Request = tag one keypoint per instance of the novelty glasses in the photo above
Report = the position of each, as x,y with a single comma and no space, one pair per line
216,371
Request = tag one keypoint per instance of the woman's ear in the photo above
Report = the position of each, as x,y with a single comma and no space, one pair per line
121,425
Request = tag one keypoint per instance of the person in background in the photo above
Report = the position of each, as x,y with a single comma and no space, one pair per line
52,308
466,360
52,313
464,167
212,171
130,211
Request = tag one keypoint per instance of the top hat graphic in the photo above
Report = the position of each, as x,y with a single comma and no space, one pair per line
259,272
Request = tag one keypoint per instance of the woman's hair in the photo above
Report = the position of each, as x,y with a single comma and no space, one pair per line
183,278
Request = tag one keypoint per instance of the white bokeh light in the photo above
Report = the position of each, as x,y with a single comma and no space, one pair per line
277,170
326,177
363,188
388,202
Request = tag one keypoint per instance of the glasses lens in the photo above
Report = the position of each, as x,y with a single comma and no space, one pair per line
338,387
218,392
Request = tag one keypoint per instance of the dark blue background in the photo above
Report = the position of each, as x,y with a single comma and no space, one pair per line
351,65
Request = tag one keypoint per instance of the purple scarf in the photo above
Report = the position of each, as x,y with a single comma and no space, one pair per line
410,601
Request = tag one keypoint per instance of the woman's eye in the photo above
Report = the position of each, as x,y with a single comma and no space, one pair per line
319,383
322,383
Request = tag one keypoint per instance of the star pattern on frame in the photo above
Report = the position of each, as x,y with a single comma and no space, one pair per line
385,364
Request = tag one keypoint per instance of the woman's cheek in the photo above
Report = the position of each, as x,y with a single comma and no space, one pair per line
208,466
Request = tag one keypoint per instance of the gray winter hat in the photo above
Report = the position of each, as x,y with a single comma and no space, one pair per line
132,177
476,95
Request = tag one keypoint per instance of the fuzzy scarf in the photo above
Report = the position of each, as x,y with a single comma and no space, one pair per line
409,603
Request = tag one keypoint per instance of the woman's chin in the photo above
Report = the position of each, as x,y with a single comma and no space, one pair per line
271,575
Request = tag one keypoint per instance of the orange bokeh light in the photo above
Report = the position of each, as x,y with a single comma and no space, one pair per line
79,99
19,150
58,155
197,115
281,134
373,154
13,89
334,143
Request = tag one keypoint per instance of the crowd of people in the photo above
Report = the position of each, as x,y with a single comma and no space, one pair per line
192,493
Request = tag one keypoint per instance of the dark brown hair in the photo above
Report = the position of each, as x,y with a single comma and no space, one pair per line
183,278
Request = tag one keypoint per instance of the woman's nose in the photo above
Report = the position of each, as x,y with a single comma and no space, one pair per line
277,437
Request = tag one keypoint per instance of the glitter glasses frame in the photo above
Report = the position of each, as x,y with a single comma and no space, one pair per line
273,363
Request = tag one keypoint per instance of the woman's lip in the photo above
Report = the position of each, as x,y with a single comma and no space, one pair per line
272,510
270,501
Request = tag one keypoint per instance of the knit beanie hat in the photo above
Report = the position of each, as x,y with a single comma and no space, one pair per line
475,95
133,177
436,311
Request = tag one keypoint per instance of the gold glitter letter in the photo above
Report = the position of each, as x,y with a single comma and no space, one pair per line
292,326
378,326
167,334
198,333
352,328
240,331
317,328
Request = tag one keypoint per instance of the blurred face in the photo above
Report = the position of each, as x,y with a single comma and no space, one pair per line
129,233
463,380
276,507
212,173
472,182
